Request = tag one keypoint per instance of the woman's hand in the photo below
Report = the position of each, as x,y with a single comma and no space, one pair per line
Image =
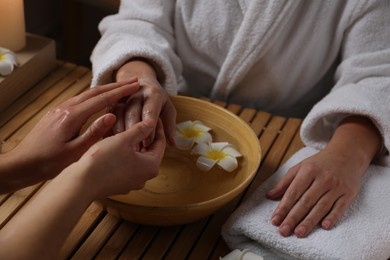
115,165
319,189
54,142
151,102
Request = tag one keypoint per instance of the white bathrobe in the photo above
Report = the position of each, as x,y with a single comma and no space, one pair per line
280,56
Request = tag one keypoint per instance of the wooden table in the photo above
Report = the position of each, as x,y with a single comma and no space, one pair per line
104,236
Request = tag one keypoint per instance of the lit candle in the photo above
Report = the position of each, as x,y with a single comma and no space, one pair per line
12,28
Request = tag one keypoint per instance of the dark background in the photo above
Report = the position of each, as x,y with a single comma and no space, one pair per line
73,24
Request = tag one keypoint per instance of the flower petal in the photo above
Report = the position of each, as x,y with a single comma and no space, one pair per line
218,145
230,150
199,125
12,58
7,61
204,163
201,149
6,67
183,125
229,163
204,137
183,143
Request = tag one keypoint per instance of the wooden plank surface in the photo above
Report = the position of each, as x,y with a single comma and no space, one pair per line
100,235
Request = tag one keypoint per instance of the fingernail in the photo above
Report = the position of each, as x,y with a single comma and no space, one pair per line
276,220
300,231
326,224
285,230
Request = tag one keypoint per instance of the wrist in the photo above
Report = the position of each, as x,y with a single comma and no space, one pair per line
358,139
78,177
140,68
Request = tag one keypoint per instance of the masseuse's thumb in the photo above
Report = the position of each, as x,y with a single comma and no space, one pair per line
138,132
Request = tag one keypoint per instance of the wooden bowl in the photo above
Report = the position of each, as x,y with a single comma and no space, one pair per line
182,193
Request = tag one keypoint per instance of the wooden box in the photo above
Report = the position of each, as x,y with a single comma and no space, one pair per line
36,60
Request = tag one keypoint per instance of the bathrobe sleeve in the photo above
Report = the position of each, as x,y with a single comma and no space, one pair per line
141,28
362,78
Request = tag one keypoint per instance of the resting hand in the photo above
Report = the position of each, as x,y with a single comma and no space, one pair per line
115,165
151,102
319,189
55,142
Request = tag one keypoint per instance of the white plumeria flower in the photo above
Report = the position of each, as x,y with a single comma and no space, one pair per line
190,132
7,61
221,153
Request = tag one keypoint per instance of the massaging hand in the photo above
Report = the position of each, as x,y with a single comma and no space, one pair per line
150,102
116,165
319,189
55,142
111,166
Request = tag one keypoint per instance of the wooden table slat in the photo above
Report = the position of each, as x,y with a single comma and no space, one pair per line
139,243
235,109
295,145
98,237
204,246
248,115
161,244
80,233
260,121
191,232
275,154
220,103
118,241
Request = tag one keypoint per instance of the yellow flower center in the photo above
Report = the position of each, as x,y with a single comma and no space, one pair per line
191,132
216,155
2,56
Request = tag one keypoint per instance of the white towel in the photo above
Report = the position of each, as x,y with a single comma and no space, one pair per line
363,233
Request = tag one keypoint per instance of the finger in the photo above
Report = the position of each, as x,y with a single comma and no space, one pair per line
119,111
137,133
93,92
152,107
300,210
336,212
157,148
94,132
282,185
104,100
133,111
151,110
168,118
297,187
318,212
80,113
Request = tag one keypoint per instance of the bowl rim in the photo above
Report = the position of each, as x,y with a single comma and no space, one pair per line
232,193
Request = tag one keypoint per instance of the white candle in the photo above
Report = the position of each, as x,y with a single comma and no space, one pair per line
12,28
